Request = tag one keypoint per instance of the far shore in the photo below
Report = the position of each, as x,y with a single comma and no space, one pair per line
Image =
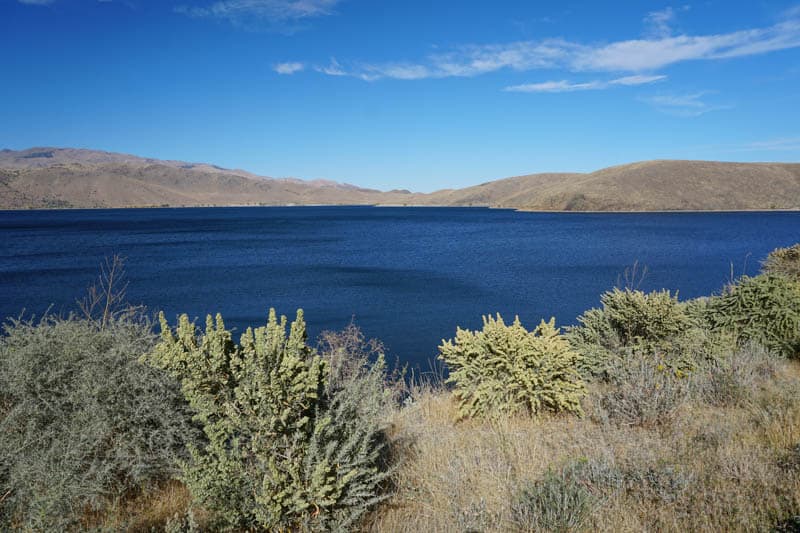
518,209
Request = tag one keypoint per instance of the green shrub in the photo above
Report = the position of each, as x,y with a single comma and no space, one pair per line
506,369
764,309
286,449
560,502
783,262
597,341
695,347
82,422
639,317
696,310
632,321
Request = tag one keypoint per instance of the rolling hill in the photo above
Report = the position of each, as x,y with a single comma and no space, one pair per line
644,186
64,177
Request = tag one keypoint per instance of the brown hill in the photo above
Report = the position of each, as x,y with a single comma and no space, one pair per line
645,186
52,177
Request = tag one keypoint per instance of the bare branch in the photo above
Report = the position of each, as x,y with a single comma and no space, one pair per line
105,299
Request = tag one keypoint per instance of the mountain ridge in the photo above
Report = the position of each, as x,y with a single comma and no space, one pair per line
46,177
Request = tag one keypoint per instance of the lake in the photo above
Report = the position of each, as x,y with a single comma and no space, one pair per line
408,276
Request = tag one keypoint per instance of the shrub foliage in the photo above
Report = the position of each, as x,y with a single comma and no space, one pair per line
763,309
784,262
559,502
507,369
284,449
631,321
82,422
638,317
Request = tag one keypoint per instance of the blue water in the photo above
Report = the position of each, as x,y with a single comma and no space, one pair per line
407,275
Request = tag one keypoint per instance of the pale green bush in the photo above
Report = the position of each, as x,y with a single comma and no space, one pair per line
634,321
764,309
507,369
286,448
784,262
597,341
638,317
560,502
82,422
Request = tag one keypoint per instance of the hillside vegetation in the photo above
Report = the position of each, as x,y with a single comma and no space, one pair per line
651,414
53,177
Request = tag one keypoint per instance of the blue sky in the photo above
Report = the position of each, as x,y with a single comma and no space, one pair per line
412,94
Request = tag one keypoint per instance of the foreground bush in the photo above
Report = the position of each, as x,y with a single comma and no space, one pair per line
559,502
506,369
763,309
639,317
634,321
82,422
784,262
286,448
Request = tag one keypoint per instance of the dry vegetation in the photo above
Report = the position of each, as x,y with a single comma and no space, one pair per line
151,510
705,467
727,459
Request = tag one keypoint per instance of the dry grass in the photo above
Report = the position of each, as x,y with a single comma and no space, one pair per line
145,512
708,468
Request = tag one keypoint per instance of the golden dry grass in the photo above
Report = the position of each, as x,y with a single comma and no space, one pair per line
710,468
149,511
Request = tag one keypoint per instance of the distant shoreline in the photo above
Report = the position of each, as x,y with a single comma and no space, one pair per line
520,210
65,178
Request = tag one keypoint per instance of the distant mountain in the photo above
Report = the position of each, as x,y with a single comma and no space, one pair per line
64,177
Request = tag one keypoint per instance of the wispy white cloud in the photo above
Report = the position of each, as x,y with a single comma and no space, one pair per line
684,105
290,67
642,55
563,86
659,23
638,79
785,144
635,56
271,13
332,69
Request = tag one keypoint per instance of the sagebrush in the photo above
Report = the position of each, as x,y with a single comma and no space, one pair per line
559,502
82,421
